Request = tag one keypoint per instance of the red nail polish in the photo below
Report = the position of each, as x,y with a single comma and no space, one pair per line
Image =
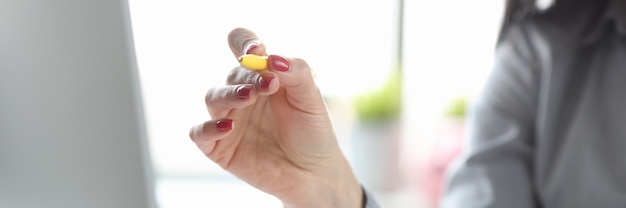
265,81
251,48
279,63
224,124
244,92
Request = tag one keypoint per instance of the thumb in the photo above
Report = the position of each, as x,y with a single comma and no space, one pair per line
296,78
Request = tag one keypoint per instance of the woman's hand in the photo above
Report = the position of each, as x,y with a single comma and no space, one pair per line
271,129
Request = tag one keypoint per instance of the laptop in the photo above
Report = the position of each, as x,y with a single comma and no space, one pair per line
71,120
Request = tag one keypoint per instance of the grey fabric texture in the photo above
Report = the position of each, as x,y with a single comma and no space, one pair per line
549,128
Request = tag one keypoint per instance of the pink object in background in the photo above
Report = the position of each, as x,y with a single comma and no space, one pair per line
444,151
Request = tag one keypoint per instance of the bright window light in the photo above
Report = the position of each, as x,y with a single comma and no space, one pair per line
182,51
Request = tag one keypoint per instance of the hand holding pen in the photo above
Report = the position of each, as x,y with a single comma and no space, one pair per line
270,127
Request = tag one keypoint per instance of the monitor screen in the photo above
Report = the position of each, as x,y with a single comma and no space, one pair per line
71,120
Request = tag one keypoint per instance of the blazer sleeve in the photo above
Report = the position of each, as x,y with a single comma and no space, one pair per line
495,169
369,200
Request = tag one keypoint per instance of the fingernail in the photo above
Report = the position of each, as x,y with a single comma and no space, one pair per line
279,63
244,92
250,48
224,124
265,81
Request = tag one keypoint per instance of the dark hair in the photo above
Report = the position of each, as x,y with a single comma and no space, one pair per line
584,15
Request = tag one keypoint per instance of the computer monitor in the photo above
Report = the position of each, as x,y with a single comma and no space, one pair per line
71,120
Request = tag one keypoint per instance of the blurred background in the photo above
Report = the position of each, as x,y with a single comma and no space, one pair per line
397,76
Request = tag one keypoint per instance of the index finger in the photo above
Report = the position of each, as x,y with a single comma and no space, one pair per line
243,41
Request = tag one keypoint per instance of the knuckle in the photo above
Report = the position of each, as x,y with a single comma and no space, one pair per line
212,98
301,63
192,135
209,96
234,75
221,96
251,78
241,75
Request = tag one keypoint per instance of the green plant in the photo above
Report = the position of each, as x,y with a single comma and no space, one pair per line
458,108
382,104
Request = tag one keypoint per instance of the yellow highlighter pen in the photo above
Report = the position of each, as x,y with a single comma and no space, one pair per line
254,62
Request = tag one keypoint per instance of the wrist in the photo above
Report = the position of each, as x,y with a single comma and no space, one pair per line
338,189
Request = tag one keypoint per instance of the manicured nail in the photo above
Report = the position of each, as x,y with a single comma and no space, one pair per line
251,48
265,81
244,92
224,124
279,63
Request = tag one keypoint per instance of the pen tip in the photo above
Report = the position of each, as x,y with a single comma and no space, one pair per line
240,59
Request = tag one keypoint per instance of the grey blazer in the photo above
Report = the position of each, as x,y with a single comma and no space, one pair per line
549,129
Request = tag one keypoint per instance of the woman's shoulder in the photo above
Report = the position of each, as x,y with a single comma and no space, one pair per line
529,39
553,30
540,30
